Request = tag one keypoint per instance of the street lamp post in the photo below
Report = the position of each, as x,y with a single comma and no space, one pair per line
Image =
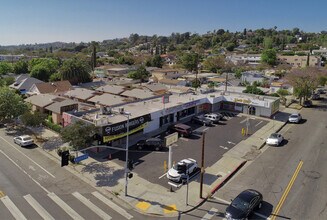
126,148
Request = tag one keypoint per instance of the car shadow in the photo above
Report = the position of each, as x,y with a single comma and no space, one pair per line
32,146
303,121
283,143
265,211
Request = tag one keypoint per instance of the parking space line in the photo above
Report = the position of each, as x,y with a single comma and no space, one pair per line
258,123
162,175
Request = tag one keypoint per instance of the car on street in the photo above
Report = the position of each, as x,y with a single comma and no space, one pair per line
307,103
201,120
244,204
295,118
156,144
214,117
275,139
182,129
24,140
181,170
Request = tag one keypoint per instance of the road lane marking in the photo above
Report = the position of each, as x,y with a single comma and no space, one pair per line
38,208
258,123
112,205
91,206
287,190
28,158
210,214
225,148
71,212
13,208
229,142
24,171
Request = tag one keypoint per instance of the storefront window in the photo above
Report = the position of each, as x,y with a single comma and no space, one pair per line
186,112
166,119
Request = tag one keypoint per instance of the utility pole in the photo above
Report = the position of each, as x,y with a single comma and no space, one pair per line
202,166
126,162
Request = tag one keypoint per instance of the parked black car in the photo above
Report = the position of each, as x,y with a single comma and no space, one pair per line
201,120
151,144
307,103
244,204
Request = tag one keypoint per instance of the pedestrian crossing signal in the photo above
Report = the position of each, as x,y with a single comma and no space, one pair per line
64,158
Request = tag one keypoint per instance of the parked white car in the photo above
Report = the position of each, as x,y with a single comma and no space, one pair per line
275,139
295,118
23,140
179,172
213,117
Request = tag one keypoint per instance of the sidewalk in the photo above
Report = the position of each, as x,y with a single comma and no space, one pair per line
149,198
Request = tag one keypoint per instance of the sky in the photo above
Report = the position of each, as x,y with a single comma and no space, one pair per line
44,21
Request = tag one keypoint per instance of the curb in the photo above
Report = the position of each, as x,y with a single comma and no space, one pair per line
221,184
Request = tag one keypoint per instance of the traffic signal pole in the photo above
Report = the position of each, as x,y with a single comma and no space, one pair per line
202,165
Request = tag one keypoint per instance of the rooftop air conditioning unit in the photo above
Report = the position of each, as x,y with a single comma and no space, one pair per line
121,110
108,110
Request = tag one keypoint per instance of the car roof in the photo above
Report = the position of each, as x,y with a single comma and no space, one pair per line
25,136
189,160
247,195
184,126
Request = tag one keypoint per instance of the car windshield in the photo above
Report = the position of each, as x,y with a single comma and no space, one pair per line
274,135
27,138
180,168
294,116
240,204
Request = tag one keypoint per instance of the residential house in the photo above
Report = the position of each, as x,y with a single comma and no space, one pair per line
252,77
173,82
52,105
80,94
241,59
60,106
59,87
160,74
275,86
107,100
23,83
112,89
299,61
202,77
156,88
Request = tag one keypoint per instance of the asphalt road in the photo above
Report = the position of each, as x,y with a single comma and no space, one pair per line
286,195
26,174
218,140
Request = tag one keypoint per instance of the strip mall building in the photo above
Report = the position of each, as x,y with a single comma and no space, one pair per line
152,117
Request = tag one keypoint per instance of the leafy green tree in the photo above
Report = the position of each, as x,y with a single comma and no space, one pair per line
282,93
269,56
253,90
157,61
126,60
230,46
33,119
268,43
12,105
42,68
79,135
196,83
76,71
190,61
141,73
55,77
214,63
20,67
94,55
5,68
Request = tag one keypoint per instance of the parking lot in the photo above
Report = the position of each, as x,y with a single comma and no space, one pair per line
218,140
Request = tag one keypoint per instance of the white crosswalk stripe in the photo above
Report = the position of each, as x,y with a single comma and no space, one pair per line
38,208
12,208
65,207
112,205
91,206
210,214
44,214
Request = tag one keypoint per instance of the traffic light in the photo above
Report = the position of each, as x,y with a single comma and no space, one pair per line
65,158
130,164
